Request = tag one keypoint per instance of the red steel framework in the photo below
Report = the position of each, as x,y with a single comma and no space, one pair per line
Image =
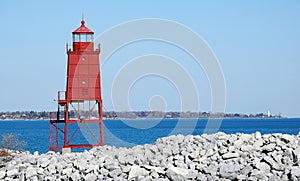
81,104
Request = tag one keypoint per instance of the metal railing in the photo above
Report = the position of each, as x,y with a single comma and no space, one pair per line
61,95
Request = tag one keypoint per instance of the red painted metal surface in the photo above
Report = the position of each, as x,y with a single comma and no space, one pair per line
81,103
83,29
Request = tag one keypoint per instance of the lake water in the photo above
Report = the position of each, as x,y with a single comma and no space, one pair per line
132,132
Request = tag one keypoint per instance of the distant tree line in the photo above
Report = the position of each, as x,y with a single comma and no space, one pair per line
44,115
25,115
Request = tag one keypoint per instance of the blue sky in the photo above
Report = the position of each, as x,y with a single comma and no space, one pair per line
256,42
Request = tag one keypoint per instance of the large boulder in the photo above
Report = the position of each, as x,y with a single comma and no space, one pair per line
230,155
2,174
136,171
176,173
30,172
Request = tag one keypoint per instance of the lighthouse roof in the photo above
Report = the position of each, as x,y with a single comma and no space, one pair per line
83,29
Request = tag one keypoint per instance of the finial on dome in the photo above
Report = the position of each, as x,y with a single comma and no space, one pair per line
82,21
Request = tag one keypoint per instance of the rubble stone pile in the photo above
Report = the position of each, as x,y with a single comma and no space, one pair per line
217,156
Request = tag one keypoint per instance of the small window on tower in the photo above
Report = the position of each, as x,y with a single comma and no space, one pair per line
83,82
83,59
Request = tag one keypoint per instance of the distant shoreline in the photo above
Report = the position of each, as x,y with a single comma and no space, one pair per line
45,115
138,119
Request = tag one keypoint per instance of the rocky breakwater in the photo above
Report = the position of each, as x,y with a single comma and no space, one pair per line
207,157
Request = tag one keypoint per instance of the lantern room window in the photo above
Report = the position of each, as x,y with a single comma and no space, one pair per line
76,38
89,38
83,38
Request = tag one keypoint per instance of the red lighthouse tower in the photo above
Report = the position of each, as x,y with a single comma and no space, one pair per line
79,117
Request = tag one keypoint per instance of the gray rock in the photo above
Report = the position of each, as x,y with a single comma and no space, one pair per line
280,143
178,157
257,135
247,148
122,159
194,154
40,171
67,171
51,169
175,173
48,178
230,155
274,165
154,175
153,149
241,177
45,162
136,171
287,138
2,174
181,164
272,139
34,178
269,147
13,172
104,172
232,138
258,144
287,161
257,174
30,172
263,166
175,149
202,152
238,143
160,146
222,151
94,168
192,175
159,170
210,178
23,166
115,172
167,151
201,177
295,171
90,177
209,152
274,178
154,162
184,153
246,170
82,166
231,149
215,157
229,168
75,176
180,138
212,169
288,153
296,154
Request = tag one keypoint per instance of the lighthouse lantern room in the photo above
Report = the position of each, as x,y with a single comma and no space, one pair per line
78,120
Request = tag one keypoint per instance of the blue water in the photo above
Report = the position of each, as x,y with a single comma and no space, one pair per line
133,132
